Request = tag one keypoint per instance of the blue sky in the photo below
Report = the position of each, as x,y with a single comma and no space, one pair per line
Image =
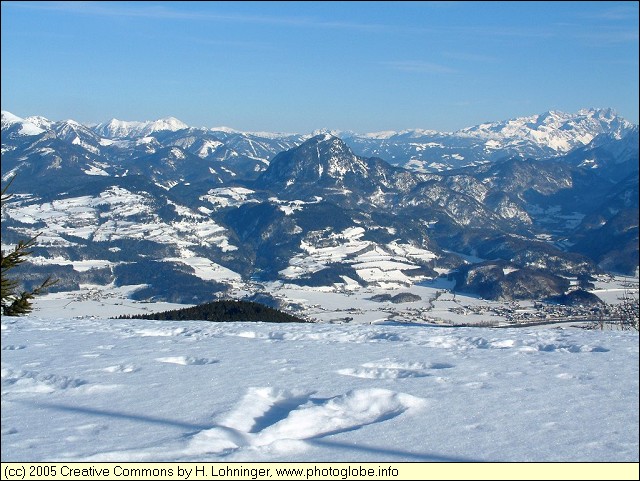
300,66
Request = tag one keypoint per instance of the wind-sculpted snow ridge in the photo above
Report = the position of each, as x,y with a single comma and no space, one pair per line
272,420
134,390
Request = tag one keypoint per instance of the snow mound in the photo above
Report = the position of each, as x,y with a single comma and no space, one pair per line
272,418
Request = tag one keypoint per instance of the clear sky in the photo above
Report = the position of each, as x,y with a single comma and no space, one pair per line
300,66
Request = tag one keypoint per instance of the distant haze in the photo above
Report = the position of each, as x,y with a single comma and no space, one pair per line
302,66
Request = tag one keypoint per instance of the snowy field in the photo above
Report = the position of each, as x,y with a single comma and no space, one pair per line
95,389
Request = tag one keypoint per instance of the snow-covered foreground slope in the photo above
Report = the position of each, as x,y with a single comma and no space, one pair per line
135,390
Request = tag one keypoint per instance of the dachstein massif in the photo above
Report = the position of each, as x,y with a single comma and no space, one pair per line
510,210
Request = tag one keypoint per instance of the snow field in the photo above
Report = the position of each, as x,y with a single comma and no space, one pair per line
135,390
81,217
377,264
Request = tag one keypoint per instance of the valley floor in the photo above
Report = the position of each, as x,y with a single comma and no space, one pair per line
432,303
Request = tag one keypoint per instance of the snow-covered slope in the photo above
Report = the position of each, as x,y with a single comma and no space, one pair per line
122,129
19,126
130,390
550,134
309,209
545,135
558,131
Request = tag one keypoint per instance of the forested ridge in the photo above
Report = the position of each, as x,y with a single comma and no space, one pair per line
221,311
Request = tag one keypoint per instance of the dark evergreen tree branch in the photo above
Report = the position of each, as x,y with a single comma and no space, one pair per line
14,304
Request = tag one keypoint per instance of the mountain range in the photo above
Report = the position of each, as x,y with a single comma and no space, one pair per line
513,209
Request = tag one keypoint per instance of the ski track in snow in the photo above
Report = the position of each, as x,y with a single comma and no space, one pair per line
134,390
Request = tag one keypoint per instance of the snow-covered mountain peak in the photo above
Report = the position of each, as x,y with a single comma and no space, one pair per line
323,137
115,128
601,113
385,134
408,133
77,134
176,190
125,129
72,123
40,121
325,132
226,130
9,117
168,123
10,121
256,135
66,126
544,135
327,144
554,130
323,158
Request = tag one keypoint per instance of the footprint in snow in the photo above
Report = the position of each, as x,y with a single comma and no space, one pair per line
36,382
187,360
159,332
390,369
125,368
475,385
573,348
91,429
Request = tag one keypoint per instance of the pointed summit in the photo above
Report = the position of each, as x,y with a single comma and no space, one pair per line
323,159
325,164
